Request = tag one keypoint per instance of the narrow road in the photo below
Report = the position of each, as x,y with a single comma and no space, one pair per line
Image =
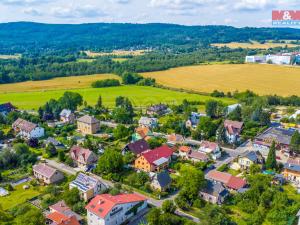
61,167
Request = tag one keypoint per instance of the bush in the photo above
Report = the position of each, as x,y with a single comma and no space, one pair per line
106,83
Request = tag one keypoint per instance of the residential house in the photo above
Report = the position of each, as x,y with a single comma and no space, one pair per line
159,110
184,151
196,156
233,130
88,186
229,181
136,147
107,209
291,171
231,108
252,157
154,160
256,59
27,129
142,133
66,116
148,122
193,120
6,108
210,148
282,138
88,124
47,174
174,139
61,214
214,192
53,141
161,181
82,157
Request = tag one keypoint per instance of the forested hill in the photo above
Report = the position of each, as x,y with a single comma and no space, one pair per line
26,36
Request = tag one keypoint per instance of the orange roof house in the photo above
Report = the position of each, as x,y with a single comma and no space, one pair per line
154,160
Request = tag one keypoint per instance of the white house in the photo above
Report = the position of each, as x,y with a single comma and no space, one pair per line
148,122
256,59
281,59
107,209
233,130
27,129
193,119
66,116
210,148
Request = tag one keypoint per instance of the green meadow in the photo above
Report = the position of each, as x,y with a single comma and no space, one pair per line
139,95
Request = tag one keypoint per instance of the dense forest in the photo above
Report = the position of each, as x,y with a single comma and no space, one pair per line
22,37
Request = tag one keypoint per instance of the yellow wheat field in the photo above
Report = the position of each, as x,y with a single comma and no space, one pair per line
61,83
254,45
262,79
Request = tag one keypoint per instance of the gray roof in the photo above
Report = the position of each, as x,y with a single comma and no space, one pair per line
88,119
163,178
283,136
53,141
293,167
252,156
215,189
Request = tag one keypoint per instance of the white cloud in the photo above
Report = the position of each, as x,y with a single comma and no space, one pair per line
254,5
32,11
86,11
120,1
24,2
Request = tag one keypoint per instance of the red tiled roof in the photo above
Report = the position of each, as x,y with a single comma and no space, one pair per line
208,144
233,127
80,154
44,169
61,219
157,153
101,205
198,155
24,125
227,179
175,137
60,206
142,131
185,148
236,183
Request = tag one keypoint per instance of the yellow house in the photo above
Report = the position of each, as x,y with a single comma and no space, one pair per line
88,125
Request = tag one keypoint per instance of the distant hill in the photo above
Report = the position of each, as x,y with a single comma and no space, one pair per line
27,36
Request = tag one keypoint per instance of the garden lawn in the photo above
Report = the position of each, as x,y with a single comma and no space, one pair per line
140,96
19,196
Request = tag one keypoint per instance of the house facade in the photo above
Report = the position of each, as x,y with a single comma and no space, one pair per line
142,133
196,156
291,171
88,125
233,131
210,148
88,186
193,120
214,193
184,151
252,157
26,129
82,157
66,116
47,174
106,209
161,181
154,160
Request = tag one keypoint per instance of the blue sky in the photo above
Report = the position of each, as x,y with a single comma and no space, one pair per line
237,13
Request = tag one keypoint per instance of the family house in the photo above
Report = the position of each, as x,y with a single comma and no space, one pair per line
161,181
47,174
214,192
136,147
174,139
159,110
53,141
88,125
210,148
82,157
154,160
291,171
148,122
282,138
66,116
142,133
27,129
228,180
252,157
107,209
184,151
6,108
193,120
233,130
61,214
196,156
88,186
